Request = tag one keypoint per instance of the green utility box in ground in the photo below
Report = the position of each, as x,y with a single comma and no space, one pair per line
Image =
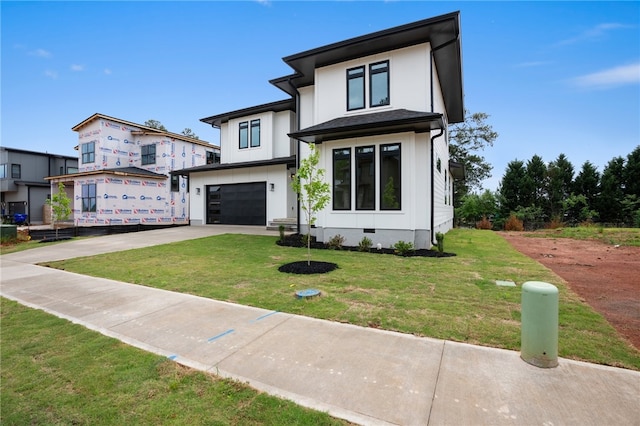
8,232
539,324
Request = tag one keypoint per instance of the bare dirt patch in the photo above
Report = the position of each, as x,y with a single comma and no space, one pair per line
605,276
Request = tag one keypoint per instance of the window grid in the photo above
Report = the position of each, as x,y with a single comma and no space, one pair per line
15,171
89,197
148,154
88,152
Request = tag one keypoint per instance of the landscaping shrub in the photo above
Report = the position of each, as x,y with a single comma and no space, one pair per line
402,248
440,241
513,224
556,222
281,231
336,242
365,244
484,223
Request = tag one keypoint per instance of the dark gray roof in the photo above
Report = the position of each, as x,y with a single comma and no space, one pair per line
443,32
289,161
393,121
284,105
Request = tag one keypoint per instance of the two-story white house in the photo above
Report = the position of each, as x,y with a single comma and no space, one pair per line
124,173
377,107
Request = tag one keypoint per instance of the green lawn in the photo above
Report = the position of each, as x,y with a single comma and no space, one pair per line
58,373
451,298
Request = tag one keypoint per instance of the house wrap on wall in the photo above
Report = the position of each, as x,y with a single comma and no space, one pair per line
377,107
124,173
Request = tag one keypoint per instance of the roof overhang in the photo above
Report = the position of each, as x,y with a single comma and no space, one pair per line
393,121
289,161
442,32
278,106
457,170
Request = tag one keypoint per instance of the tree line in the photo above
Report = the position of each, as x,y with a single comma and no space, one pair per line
537,193
540,193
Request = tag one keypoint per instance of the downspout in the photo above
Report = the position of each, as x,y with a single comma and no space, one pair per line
433,198
295,89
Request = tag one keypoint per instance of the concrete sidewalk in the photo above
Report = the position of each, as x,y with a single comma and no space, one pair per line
364,375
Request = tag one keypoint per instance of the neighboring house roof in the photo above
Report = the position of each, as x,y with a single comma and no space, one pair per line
47,154
120,171
144,130
457,170
443,32
392,121
289,161
278,106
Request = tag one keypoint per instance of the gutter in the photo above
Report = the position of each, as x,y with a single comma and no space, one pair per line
295,89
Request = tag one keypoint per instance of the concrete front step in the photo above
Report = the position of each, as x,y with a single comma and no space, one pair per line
290,224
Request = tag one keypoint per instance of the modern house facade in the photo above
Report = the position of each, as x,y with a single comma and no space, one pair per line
124,173
24,188
377,107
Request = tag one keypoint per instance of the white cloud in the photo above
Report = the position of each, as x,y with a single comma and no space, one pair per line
77,67
612,77
51,74
594,33
41,53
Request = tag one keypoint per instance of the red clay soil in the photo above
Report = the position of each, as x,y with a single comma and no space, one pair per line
606,277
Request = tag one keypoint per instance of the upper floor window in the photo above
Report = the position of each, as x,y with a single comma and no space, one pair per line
355,88
148,154
390,177
365,178
89,197
247,138
213,157
88,152
3,171
342,179
255,133
15,171
379,84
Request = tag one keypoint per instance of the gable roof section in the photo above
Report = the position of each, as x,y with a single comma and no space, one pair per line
119,171
393,121
289,161
278,106
443,32
144,130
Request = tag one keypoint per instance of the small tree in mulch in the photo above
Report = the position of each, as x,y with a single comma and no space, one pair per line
313,192
60,207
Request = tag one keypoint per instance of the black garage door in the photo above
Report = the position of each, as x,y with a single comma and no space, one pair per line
237,204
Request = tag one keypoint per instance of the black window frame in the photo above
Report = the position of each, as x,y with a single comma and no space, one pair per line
255,124
340,154
175,183
88,152
386,153
87,198
372,73
148,157
350,77
16,171
361,191
243,128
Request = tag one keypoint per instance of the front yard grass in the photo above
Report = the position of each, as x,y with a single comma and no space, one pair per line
58,373
452,298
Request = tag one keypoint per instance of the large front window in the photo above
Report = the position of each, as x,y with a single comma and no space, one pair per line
148,153
355,88
88,152
379,84
390,177
342,179
89,197
365,178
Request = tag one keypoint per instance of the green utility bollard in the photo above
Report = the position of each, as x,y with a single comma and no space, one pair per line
539,324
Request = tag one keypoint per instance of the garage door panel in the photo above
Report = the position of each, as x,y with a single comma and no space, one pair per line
237,204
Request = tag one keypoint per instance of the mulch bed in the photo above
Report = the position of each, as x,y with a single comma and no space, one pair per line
304,267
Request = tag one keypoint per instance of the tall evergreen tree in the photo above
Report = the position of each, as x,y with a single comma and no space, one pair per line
611,191
535,182
587,183
632,173
513,188
559,184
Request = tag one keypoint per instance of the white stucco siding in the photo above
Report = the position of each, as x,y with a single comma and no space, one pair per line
307,108
279,201
230,138
283,123
409,83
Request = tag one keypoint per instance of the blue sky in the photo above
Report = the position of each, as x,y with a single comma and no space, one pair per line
554,77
